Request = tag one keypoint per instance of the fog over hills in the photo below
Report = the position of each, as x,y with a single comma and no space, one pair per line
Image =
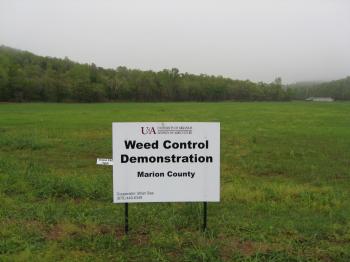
258,40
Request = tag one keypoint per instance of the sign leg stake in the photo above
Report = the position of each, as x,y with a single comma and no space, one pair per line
126,221
205,212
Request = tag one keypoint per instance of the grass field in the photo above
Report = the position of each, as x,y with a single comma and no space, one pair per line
285,185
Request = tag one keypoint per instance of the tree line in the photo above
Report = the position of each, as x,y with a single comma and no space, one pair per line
337,89
28,77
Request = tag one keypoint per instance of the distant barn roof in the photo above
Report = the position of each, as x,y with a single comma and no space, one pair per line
320,99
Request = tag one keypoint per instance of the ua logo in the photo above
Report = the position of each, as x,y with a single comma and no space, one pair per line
148,130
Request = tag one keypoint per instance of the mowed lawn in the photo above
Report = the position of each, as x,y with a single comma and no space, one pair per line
285,185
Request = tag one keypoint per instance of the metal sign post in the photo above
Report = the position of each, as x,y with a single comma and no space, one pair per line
109,162
205,213
126,215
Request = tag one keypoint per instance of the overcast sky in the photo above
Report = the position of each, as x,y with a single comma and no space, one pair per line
249,39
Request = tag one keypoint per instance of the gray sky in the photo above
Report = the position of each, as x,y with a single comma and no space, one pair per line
246,39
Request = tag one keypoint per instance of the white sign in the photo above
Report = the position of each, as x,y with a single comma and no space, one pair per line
166,162
104,161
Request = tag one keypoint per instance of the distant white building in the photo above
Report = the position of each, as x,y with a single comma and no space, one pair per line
320,99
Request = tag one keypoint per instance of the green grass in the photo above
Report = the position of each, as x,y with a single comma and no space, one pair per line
285,185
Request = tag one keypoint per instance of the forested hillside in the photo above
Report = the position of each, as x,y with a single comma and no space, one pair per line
28,77
338,89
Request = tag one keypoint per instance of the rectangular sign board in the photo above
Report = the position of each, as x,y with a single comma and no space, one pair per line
104,161
166,162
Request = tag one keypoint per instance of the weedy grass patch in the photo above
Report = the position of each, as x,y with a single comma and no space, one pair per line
285,185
